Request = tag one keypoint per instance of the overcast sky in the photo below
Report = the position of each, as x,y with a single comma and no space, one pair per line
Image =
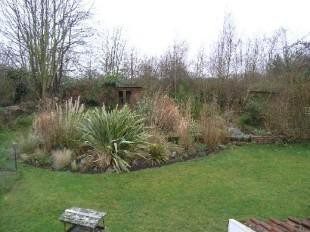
152,25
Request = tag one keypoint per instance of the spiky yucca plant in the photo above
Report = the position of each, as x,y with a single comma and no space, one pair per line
114,136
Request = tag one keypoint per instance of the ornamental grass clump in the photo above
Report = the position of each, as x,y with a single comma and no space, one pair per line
164,114
186,127
71,115
160,111
114,137
60,127
212,126
61,158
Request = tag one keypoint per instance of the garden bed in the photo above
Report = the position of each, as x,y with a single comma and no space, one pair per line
143,164
267,139
70,137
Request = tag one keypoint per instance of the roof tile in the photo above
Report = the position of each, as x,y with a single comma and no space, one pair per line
274,225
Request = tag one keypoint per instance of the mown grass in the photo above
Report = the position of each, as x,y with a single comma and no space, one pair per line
9,134
201,195
7,178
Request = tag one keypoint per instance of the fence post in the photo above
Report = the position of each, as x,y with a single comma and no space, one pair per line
14,145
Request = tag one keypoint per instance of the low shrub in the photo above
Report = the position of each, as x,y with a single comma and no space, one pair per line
286,113
158,152
253,115
159,149
29,143
23,121
38,158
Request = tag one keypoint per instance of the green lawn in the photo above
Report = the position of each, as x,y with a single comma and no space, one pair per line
200,195
7,179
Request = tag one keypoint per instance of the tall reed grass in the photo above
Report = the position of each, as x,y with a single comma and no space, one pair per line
212,126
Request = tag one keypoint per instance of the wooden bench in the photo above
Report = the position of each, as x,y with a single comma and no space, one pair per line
81,220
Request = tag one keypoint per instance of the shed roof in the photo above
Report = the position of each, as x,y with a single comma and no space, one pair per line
127,84
274,225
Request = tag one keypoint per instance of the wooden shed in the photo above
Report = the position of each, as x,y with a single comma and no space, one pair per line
109,94
128,93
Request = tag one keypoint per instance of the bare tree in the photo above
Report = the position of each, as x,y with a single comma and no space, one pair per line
200,64
221,61
173,64
113,52
6,56
42,33
148,68
131,64
251,57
